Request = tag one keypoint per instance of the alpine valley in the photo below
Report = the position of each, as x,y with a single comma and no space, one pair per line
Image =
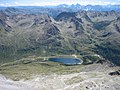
29,35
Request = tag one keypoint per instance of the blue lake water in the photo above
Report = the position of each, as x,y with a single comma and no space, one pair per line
66,61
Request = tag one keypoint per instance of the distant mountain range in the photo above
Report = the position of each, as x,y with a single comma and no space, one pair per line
91,7
55,10
75,7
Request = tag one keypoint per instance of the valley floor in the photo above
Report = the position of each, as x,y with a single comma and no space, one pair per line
92,77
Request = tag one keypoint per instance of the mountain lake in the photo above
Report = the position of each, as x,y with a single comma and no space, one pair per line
66,61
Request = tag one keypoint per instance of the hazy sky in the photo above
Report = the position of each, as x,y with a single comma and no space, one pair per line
55,2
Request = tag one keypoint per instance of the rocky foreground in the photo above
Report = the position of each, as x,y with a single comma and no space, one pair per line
93,77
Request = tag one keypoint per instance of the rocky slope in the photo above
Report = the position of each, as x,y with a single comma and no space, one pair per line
93,77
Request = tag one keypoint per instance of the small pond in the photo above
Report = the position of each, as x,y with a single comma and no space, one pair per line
66,61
